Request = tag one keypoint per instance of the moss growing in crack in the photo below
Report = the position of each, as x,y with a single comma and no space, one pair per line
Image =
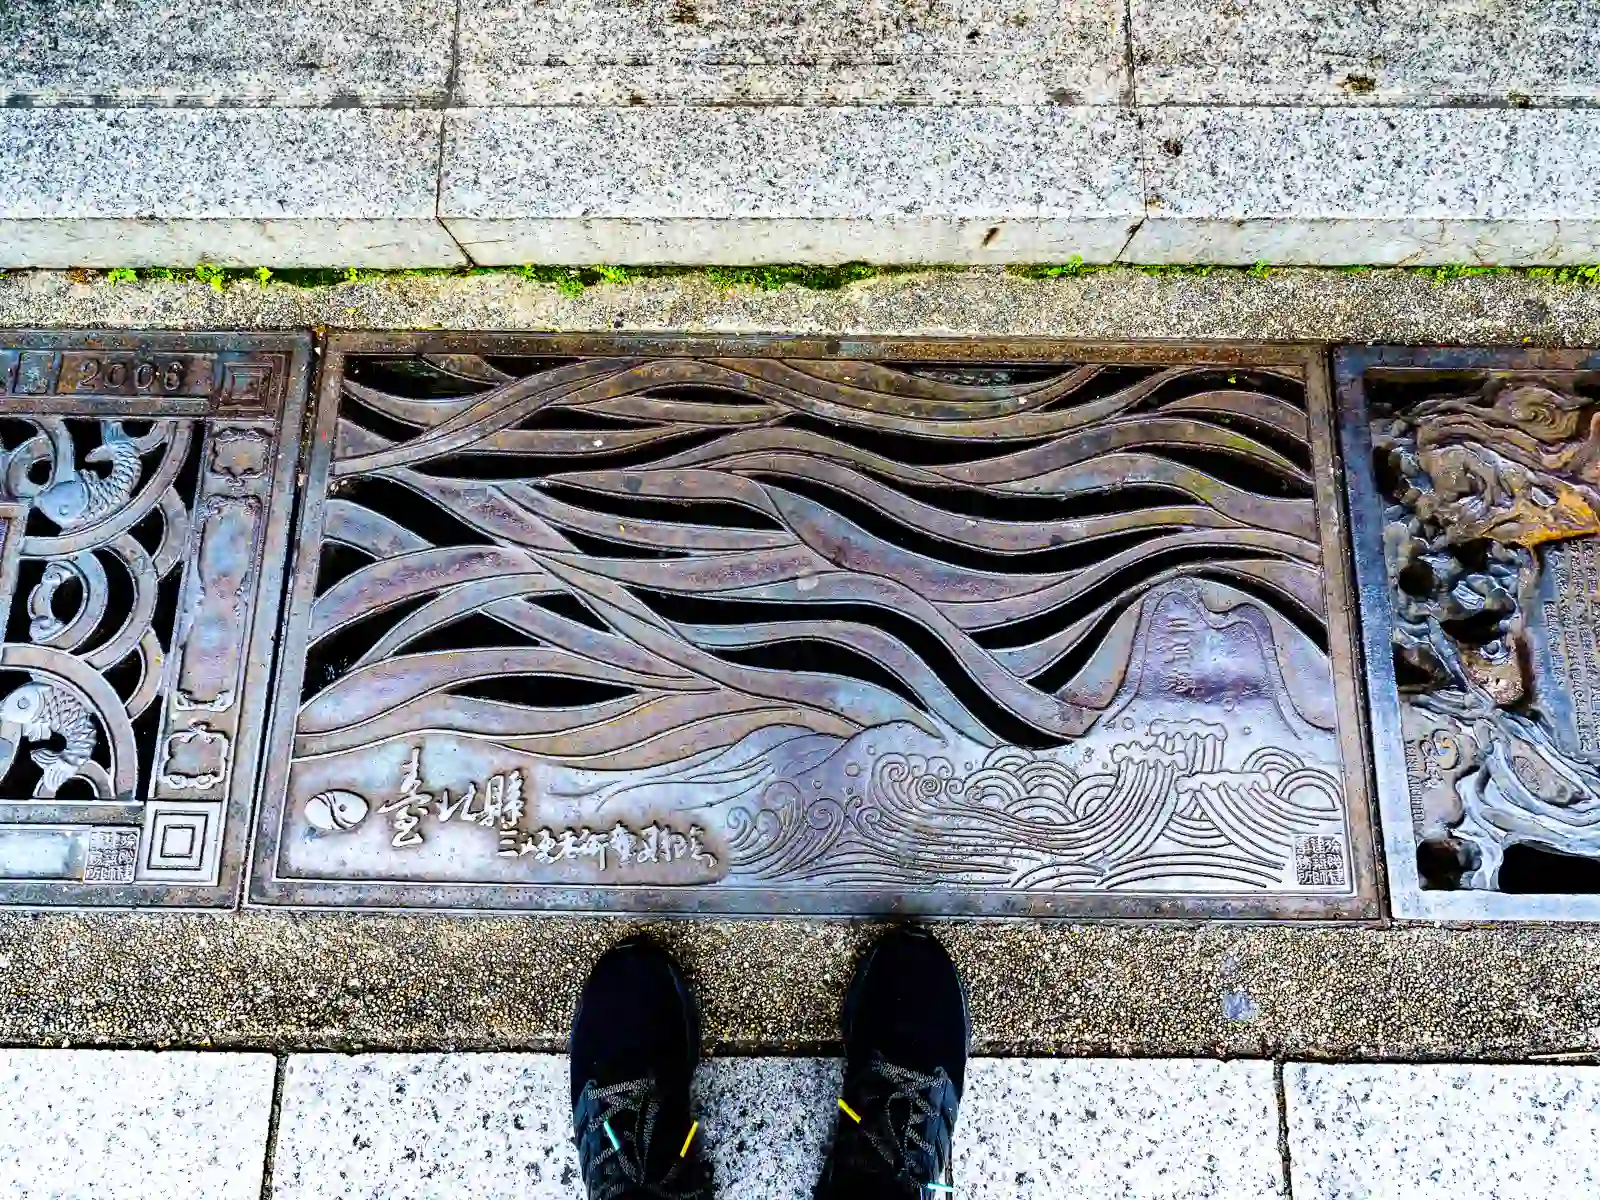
813,278
1176,270
1073,268
211,276
573,281
1450,272
1589,276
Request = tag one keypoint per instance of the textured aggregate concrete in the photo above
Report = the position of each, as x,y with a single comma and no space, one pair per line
358,982
1286,305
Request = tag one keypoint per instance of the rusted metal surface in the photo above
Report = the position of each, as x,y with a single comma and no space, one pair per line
747,625
1476,506
145,483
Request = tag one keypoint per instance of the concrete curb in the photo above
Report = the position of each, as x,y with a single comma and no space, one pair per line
1296,305
293,982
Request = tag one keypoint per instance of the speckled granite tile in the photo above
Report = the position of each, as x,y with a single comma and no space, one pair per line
442,1127
1154,1129
494,1127
786,184
425,1127
1452,52
1369,185
766,1123
791,52
133,1125
225,51
1443,1132
231,186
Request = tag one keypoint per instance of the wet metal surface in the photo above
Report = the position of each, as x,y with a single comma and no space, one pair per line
1475,498
745,625
144,493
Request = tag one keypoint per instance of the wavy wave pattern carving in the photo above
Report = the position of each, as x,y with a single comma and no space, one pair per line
1028,627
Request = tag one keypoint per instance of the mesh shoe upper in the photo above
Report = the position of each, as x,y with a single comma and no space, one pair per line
635,1043
905,1032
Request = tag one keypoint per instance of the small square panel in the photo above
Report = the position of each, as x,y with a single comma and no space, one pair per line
769,627
182,842
178,843
177,838
143,504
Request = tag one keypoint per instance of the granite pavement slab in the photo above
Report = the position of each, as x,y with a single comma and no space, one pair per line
1441,1132
785,184
235,187
347,52
133,1125
1445,52
427,1127
1369,186
791,52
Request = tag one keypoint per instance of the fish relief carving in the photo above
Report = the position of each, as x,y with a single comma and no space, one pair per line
78,497
38,711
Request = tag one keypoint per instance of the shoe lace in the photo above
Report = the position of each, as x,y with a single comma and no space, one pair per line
913,1151
617,1134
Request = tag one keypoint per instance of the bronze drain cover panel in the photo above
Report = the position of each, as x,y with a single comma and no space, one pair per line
145,486
1475,500
763,626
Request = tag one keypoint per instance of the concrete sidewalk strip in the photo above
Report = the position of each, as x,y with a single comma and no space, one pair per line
133,1125
1446,52
495,1127
784,184
1439,1132
791,52
284,187
225,51
1376,185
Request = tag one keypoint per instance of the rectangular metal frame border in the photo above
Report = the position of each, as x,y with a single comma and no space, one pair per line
239,806
266,890
1409,901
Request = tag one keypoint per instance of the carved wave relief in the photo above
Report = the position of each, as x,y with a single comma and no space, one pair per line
817,623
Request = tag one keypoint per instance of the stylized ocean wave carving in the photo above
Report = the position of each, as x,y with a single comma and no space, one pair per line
638,569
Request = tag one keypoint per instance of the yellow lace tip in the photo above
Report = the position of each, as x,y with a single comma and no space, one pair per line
848,1111
692,1130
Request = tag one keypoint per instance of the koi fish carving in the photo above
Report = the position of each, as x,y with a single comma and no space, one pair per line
76,498
36,711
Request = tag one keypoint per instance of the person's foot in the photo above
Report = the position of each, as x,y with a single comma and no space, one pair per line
905,1045
635,1043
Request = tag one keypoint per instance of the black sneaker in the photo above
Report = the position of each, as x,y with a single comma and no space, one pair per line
905,1044
635,1043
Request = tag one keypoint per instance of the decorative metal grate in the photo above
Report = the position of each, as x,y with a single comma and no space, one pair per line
144,495
1476,506
755,626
